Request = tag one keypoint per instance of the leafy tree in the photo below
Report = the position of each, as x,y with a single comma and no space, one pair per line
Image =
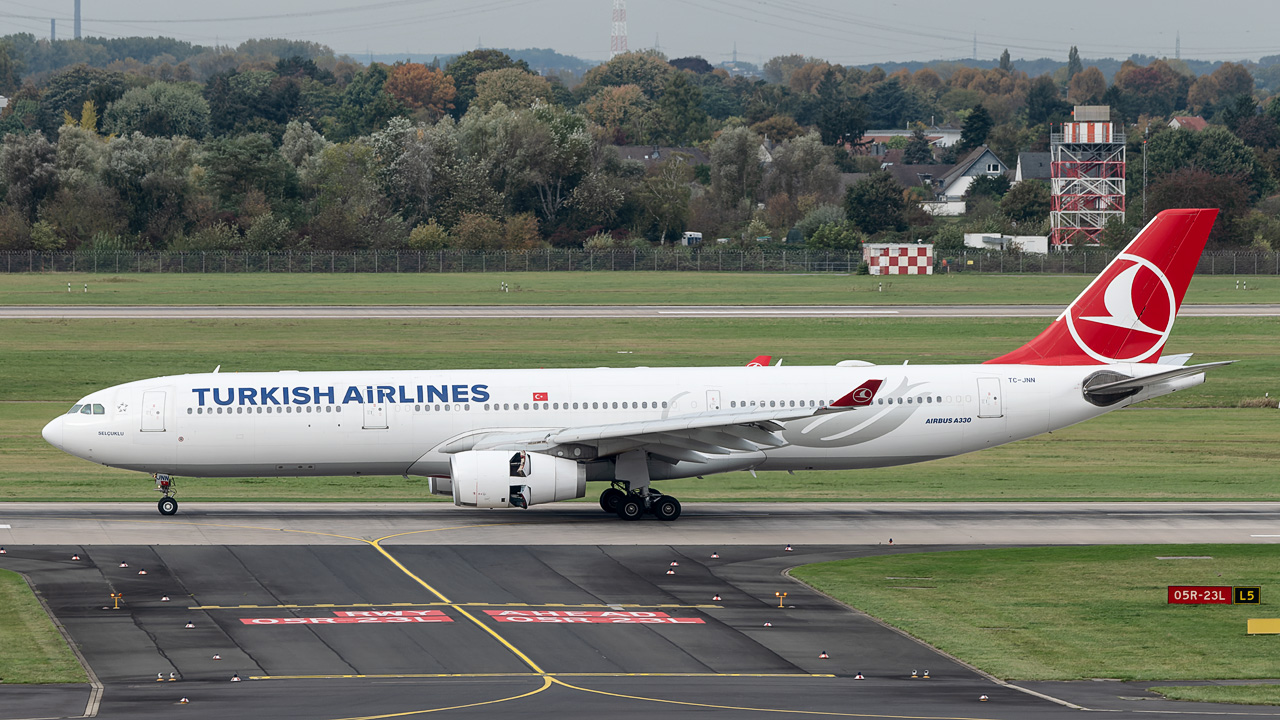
476,231
236,166
778,128
647,72
10,70
67,91
875,203
1214,150
365,105
1005,63
1028,202
419,87
520,232
1074,66
1087,87
987,186
918,151
429,237
1044,102
696,65
679,111
665,195
835,236
301,147
152,177
839,118
974,131
804,166
890,105
1156,89
777,70
512,87
28,168
466,68
159,110
1200,188
622,110
819,216
735,165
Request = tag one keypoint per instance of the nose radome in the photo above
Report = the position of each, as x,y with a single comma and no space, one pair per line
53,432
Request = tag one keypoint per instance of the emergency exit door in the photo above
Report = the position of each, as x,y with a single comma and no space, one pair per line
375,416
713,399
153,411
990,404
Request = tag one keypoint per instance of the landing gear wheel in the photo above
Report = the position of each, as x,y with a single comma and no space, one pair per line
631,508
667,508
610,499
167,506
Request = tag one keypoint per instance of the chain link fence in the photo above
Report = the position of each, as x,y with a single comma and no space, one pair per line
1238,262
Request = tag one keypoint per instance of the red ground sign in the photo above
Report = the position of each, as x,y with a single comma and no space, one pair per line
359,617
591,617
1200,594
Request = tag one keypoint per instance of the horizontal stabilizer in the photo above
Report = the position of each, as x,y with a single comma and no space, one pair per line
1138,383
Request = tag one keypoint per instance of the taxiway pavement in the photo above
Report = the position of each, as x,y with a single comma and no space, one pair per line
346,611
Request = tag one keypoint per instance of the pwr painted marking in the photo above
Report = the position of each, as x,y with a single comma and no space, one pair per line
580,617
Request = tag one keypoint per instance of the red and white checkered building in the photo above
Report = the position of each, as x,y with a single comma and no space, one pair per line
898,259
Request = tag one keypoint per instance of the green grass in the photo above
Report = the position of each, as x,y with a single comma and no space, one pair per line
1260,694
1190,445
1070,613
573,288
31,648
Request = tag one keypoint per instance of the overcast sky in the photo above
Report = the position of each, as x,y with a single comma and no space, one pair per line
844,31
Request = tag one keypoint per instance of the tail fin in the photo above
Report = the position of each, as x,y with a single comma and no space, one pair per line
760,361
1127,312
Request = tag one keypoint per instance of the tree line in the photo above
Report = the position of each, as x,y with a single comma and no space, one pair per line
151,144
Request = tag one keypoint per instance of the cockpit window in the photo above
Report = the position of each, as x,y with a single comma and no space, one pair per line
86,410
74,409
99,410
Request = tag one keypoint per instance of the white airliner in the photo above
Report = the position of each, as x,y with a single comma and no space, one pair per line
515,438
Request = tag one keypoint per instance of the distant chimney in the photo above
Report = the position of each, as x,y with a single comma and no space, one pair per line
77,21
53,29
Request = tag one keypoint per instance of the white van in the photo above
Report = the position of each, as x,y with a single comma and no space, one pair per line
691,238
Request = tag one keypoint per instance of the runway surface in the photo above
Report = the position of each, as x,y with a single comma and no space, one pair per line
583,311
345,611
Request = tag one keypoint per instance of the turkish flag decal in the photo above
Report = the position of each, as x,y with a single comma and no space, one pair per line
539,397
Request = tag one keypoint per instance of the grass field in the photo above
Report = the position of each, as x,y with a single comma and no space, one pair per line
31,648
601,288
1191,445
1259,694
1072,612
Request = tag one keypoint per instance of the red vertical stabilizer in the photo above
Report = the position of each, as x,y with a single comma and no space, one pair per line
1127,312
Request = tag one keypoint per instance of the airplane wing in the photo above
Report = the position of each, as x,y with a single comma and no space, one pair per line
690,438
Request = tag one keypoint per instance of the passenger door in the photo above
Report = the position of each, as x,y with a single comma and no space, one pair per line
990,403
153,411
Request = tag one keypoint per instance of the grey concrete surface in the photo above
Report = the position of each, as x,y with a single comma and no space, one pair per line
222,563
583,523
585,311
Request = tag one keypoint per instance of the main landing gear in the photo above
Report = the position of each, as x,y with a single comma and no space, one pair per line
165,484
633,505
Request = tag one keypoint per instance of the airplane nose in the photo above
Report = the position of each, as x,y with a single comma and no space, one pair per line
53,432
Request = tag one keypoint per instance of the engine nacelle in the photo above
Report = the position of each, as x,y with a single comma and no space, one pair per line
502,478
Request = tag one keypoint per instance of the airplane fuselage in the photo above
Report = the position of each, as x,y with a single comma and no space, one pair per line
392,423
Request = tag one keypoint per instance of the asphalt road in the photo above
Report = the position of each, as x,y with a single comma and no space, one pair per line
582,311
446,596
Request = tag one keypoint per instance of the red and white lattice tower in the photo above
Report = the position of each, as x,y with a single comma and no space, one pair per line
618,37
1087,173
898,258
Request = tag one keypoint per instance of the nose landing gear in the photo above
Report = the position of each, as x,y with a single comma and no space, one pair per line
166,485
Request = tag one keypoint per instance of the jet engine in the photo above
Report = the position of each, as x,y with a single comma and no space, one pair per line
503,478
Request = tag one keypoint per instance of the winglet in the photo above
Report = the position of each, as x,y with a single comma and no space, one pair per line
760,361
860,396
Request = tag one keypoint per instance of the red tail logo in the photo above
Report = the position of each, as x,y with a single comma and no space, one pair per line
1127,312
860,396
760,361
